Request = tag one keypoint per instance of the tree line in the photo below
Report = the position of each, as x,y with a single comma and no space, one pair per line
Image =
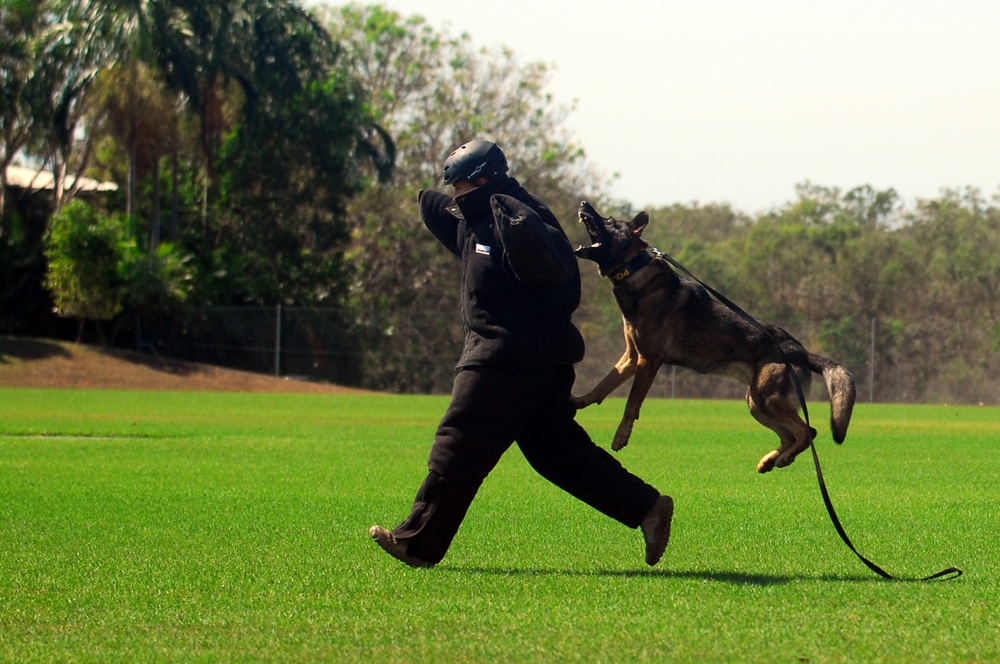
266,155
910,293
235,132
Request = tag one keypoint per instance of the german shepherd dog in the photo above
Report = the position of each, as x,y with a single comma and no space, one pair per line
669,319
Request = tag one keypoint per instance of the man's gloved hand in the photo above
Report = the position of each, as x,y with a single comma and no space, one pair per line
436,207
440,216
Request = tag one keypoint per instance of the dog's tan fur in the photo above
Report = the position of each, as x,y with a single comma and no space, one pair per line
671,320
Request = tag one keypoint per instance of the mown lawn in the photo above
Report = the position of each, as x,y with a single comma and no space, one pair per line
172,526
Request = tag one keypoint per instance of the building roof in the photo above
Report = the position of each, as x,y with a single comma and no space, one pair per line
31,178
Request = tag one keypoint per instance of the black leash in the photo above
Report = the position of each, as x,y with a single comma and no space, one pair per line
945,574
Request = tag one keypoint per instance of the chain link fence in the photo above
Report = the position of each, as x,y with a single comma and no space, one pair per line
416,352
928,361
303,343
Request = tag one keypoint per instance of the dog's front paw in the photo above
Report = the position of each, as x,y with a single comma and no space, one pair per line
621,438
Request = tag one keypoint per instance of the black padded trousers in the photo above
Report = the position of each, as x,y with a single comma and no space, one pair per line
492,408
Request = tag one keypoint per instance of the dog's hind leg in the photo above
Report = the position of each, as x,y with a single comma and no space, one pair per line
645,374
775,409
768,461
803,436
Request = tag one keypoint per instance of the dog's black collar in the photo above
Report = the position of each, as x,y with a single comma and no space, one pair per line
627,269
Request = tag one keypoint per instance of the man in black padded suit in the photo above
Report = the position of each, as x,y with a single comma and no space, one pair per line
520,285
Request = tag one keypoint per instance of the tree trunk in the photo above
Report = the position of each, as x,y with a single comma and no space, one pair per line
133,175
175,204
154,222
3,197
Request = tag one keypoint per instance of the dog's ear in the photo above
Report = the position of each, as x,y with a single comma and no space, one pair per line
638,223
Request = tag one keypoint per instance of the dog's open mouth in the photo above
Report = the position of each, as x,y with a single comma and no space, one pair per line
589,218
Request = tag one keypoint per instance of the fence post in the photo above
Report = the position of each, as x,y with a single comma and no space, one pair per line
871,364
277,341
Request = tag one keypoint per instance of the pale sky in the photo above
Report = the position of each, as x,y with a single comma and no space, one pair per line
737,102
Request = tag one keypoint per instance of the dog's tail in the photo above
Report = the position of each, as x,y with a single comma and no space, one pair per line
840,385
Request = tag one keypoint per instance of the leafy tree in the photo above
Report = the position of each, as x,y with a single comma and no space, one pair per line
433,92
71,52
131,100
18,21
83,248
281,134
288,169
951,317
155,282
958,238
287,178
48,60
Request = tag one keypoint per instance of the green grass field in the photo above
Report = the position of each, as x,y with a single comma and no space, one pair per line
166,526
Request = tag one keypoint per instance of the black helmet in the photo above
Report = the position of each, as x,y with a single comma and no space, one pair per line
474,160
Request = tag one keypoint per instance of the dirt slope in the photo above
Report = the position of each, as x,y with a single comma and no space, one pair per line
27,362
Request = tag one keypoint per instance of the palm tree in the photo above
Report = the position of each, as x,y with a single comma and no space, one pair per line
145,36
17,26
